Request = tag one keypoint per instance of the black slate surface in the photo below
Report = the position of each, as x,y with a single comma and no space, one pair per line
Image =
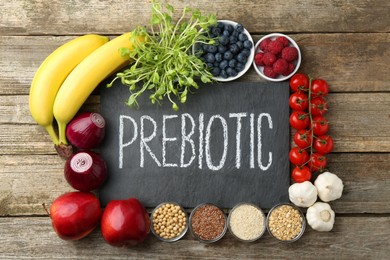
201,162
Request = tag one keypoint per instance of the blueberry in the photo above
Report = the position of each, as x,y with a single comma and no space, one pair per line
210,58
246,52
240,45
220,25
216,71
213,49
218,56
241,58
221,49
242,37
226,33
216,64
239,28
223,40
234,48
223,64
235,34
223,74
209,65
232,63
228,55
239,67
216,31
206,48
248,44
231,72
229,28
233,39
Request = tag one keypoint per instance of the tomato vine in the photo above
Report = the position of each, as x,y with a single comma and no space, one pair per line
311,138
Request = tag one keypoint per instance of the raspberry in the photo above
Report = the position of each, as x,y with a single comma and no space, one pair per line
268,71
283,40
259,59
264,43
290,54
269,59
275,47
280,66
290,69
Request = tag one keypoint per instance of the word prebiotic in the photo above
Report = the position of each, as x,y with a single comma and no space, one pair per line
193,140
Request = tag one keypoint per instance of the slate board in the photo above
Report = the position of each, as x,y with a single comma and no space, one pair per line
206,166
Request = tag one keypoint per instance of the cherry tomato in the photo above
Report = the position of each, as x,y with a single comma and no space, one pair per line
318,106
299,120
299,82
319,88
299,101
303,138
320,125
323,144
298,156
301,174
317,162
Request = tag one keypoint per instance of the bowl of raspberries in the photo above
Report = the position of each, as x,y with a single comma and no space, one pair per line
232,53
277,57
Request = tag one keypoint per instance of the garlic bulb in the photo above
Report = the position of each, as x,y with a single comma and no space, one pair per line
320,216
329,186
303,194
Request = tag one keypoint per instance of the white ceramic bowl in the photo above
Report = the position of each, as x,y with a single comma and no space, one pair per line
297,63
250,58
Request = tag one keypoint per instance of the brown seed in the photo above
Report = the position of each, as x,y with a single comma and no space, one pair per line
208,222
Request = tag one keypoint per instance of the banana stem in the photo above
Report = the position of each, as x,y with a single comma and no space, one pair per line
62,132
52,133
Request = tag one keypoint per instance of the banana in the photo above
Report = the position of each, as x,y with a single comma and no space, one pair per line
81,82
52,73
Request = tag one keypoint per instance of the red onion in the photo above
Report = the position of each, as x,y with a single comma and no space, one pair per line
86,131
85,171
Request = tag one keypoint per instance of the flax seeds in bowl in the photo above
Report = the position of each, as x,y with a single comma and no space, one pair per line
208,223
169,222
286,222
246,222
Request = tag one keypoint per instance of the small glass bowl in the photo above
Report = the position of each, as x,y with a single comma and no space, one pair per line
259,69
299,235
261,212
168,239
193,232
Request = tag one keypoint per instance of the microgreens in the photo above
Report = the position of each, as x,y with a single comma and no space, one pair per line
164,63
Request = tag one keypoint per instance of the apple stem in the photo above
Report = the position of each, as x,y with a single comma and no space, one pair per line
47,212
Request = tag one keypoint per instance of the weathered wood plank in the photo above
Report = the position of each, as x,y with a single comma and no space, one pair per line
29,181
348,62
358,124
23,17
351,238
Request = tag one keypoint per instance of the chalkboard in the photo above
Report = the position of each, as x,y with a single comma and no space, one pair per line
227,144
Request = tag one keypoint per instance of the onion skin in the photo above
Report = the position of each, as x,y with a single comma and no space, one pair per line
85,171
86,130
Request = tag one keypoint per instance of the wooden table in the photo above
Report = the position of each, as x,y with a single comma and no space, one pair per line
345,42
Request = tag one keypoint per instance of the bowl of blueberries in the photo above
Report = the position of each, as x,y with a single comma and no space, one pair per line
231,55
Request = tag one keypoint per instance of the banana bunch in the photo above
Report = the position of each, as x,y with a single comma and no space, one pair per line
69,75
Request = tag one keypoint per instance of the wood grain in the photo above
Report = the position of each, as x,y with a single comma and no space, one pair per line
35,17
351,238
349,62
28,181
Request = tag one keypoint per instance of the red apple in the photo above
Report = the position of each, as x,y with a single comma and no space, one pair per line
75,214
125,222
